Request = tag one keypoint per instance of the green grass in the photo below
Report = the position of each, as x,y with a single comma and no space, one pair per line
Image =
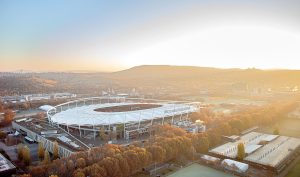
197,170
295,172
287,127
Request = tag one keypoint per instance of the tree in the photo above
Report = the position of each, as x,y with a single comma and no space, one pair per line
24,106
158,153
241,151
26,155
276,131
201,143
79,173
1,106
41,151
8,116
40,115
2,134
97,171
103,136
55,150
46,157
236,123
20,151
80,163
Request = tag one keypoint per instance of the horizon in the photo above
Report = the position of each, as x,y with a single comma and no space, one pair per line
199,67
103,36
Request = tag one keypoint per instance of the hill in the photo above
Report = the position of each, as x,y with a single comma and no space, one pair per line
150,77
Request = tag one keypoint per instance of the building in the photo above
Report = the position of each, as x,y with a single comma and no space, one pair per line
129,117
235,165
6,167
35,130
265,150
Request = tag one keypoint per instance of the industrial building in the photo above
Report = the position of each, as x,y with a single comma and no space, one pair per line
6,167
265,150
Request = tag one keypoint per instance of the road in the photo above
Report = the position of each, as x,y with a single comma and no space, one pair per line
27,113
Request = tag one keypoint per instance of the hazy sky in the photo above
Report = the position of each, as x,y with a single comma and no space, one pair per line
65,35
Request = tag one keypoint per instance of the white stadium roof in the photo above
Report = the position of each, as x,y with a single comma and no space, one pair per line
85,115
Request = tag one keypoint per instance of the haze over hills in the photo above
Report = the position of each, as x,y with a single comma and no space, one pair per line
151,76
207,75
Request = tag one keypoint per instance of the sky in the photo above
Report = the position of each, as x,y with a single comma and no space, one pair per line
105,36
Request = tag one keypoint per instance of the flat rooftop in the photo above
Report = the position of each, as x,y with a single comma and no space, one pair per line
5,164
51,133
261,148
274,152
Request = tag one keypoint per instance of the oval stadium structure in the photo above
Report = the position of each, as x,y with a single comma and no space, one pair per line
129,115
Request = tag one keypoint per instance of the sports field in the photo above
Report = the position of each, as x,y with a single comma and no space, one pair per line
197,170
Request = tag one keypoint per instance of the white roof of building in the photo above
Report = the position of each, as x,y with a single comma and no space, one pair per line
270,154
209,158
251,148
274,152
270,137
46,107
85,115
230,149
64,139
242,167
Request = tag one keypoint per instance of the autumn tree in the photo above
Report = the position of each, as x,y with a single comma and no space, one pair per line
225,128
123,163
201,143
158,153
103,136
1,106
241,151
236,124
26,155
55,150
3,135
96,170
276,131
80,163
41,151
40,115
8,117
79,173
47,159
214,137
70,167
20,151
108,164
25,106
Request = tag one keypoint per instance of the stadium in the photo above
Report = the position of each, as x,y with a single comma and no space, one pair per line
127,117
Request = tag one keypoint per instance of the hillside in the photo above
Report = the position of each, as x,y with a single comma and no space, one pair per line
207,76
149,77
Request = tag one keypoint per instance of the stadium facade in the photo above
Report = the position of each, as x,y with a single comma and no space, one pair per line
128,117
